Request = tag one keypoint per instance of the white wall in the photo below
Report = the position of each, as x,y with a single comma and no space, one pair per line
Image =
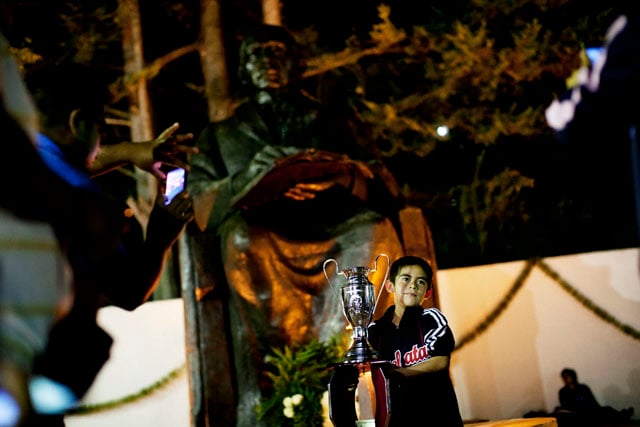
514,367
148,344
510,369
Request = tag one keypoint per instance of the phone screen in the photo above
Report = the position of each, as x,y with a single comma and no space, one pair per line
594,54
174,184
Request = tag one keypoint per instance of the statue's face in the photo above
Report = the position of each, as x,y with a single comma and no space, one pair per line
268,65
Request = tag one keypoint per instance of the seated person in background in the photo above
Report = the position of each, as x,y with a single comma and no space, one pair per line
418,342
113,261
577,399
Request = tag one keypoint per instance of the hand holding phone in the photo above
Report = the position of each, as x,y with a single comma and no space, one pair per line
174,184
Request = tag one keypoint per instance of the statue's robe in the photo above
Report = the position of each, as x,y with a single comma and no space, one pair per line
253,270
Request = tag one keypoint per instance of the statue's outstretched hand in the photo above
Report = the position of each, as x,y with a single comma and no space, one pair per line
308,190
353,179
295,174
363,169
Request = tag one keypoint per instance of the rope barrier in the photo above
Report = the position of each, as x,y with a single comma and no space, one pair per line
481,328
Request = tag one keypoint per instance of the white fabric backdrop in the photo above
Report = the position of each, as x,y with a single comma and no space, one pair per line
510,369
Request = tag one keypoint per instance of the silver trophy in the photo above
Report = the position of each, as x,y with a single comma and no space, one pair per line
358,304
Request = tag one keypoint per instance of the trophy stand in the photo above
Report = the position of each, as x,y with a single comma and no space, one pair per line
346,379
361,363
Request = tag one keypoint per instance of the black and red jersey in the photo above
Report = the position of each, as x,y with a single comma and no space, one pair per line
426,399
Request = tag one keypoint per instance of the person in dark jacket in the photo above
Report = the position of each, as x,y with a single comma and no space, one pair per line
113,258
597,123
578,405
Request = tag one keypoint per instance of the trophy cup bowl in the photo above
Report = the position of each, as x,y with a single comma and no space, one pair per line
358,305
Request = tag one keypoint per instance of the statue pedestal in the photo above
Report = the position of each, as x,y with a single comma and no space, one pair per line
372,383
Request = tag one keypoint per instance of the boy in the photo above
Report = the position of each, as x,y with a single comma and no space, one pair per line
418,342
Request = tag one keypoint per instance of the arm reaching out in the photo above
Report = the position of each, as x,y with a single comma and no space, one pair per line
167,149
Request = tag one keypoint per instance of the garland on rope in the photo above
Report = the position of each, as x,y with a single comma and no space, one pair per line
466,339
147,391
500,308
586,302
582,299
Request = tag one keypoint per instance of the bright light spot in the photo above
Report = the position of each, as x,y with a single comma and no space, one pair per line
442,131
9,409
50,397
594,53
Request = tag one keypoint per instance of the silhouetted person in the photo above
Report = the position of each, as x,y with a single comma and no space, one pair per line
113,261
35,283
579,407
599,126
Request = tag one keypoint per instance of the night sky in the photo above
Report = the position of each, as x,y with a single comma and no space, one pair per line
565,178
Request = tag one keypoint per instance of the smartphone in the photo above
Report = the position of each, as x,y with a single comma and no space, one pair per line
594,53
174,184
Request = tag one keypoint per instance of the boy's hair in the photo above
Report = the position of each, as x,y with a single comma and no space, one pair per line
410,260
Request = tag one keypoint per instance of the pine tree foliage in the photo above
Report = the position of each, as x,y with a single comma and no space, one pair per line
484,69
487,77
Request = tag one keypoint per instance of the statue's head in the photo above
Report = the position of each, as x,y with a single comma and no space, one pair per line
269,59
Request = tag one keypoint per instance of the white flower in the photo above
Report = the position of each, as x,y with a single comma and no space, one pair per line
325,410
296,399
287,402
288,411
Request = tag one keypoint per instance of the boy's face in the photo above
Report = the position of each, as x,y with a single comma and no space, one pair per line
410,286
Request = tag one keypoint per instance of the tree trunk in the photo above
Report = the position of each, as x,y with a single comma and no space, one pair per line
214,61
141,127
139,104
271,12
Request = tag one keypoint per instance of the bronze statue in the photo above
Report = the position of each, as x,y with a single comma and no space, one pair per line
278,188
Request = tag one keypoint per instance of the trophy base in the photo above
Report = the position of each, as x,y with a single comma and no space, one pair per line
361,352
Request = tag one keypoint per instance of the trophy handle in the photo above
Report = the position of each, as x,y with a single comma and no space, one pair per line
324,270
386,274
